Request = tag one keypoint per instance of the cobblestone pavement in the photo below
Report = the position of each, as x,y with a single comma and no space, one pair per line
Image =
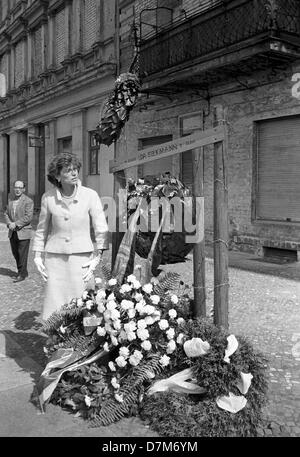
264,306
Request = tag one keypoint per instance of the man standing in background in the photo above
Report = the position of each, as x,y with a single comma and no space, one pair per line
18,216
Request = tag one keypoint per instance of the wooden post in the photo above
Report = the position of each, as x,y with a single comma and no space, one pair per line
198,305
119,180
221,283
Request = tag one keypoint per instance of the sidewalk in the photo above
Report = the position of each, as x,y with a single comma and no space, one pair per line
264,302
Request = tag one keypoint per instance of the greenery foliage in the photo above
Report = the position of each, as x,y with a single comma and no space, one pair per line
188,415
104,391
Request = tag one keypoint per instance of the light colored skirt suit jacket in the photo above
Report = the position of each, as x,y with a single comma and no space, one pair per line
63,233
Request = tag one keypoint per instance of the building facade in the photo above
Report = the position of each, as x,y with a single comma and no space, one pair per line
57,67
245,56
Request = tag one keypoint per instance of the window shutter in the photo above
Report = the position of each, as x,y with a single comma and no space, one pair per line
278,169
37,42
89,25
60,36
4,69
19,65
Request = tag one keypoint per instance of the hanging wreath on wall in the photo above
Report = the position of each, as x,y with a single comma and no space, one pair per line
117,108
171,246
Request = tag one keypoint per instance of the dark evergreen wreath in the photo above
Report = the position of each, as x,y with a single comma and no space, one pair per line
117,108
171,246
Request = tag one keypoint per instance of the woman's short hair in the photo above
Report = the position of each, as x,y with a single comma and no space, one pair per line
61,160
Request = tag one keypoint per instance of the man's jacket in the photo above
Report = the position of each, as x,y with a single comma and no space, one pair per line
22,217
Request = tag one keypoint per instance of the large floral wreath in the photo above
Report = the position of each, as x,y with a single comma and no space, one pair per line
171,246
124,349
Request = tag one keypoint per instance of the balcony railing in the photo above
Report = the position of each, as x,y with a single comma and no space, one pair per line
218,28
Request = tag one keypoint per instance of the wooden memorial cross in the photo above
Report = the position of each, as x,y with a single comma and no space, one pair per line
218,137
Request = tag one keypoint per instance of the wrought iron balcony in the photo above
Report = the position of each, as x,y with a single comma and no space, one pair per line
227,34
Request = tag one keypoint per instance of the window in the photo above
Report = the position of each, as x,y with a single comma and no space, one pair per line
158,166
37,51
60,37
19,63
278,169
64,144
188,124
89,24
94,149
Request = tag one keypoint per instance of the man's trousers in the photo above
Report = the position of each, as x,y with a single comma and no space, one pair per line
20,250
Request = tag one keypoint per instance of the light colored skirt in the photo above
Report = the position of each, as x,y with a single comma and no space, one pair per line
64,279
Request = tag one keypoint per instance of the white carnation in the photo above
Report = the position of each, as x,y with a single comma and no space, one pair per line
125,288
119,398
89,304
149,309
174,299
98,281
101,308
142,334
106,347
133,361
131,278
87,400
111,297
111,366
124,352
84,294
141,323
131,313
136,284
115,314
138,297
180,338
140,306
149,320
126,304
79,302
163,324
112,282
148,288
164,360
156,315
130,326
172,313
138,355
120,361
114,383
101,294
114,340
123,335
146,345
111,304
171,347
117,324
170,333
155,299
101,331
180,321
131,336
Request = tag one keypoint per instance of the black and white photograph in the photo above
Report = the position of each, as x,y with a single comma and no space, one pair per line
150,222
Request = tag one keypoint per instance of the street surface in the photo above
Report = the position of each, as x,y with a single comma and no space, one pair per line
264,306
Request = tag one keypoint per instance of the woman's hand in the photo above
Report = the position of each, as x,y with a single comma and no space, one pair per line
40,266
91,265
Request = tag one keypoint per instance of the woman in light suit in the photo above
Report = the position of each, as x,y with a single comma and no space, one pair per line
63,234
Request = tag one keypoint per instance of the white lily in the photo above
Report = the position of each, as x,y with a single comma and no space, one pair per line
231,347
232,403
244,383
177,383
